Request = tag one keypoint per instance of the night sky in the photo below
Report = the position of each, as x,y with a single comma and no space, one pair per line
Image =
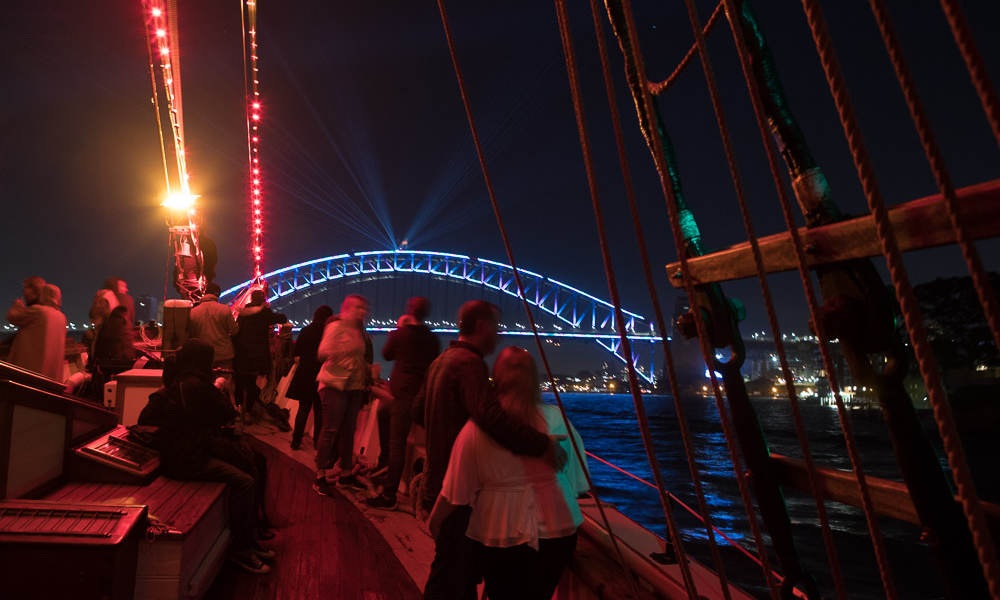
365,143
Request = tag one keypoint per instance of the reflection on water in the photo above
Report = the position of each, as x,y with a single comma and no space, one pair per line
608,426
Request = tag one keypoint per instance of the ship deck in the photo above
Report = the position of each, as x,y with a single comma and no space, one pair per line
326,546
339,548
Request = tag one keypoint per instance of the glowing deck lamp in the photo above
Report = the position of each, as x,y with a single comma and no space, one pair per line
180,201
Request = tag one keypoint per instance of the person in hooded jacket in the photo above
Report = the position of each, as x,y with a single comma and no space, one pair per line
189,414
253,348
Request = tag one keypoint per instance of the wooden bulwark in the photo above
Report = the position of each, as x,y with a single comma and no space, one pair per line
918,224
889,498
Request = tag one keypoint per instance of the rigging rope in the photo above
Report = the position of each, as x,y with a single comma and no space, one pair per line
734,173
911,311
812,302
173,25
609,273
163,25
685,506
659,87
634,585
251,82
162,40
974,63
684,244
980,280
661,322
156,110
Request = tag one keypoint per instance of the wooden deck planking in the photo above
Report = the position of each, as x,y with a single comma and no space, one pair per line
311,559
297,506
406,537
326,547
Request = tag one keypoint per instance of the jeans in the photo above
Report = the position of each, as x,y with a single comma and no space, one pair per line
521,572
340,416
455,571
241,455
384,417
310,402
242,498
400,421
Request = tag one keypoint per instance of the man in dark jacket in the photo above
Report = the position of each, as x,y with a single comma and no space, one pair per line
413,346
303,385
456,389
253,349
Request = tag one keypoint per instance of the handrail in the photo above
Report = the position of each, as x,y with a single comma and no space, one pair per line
889,498
683,505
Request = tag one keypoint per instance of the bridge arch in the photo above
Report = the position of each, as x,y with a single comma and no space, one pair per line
582,315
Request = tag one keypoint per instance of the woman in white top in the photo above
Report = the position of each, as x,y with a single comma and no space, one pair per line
523,512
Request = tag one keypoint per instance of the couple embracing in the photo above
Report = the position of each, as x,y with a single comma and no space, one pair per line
501,494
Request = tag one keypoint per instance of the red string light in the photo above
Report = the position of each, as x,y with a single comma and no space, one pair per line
169,64
254,110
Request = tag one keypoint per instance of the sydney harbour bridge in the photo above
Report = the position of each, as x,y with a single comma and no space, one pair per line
388,277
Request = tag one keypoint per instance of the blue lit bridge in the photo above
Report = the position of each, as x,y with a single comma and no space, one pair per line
564,312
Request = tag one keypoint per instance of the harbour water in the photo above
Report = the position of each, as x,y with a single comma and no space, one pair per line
608,426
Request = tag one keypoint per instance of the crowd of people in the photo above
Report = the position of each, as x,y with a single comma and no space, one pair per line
499,491
499,494
41,340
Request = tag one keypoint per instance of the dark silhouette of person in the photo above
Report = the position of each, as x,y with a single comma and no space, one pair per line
413,346
253,349
303,386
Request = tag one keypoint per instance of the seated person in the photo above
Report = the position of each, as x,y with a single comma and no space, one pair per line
525,515
190,414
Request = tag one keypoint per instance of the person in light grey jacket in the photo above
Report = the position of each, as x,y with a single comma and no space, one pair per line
213,323
343,380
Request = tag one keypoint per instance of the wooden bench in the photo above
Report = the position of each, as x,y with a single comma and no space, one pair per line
40,427
183,560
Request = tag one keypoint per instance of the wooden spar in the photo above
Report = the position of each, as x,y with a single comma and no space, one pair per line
890,498
918,224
